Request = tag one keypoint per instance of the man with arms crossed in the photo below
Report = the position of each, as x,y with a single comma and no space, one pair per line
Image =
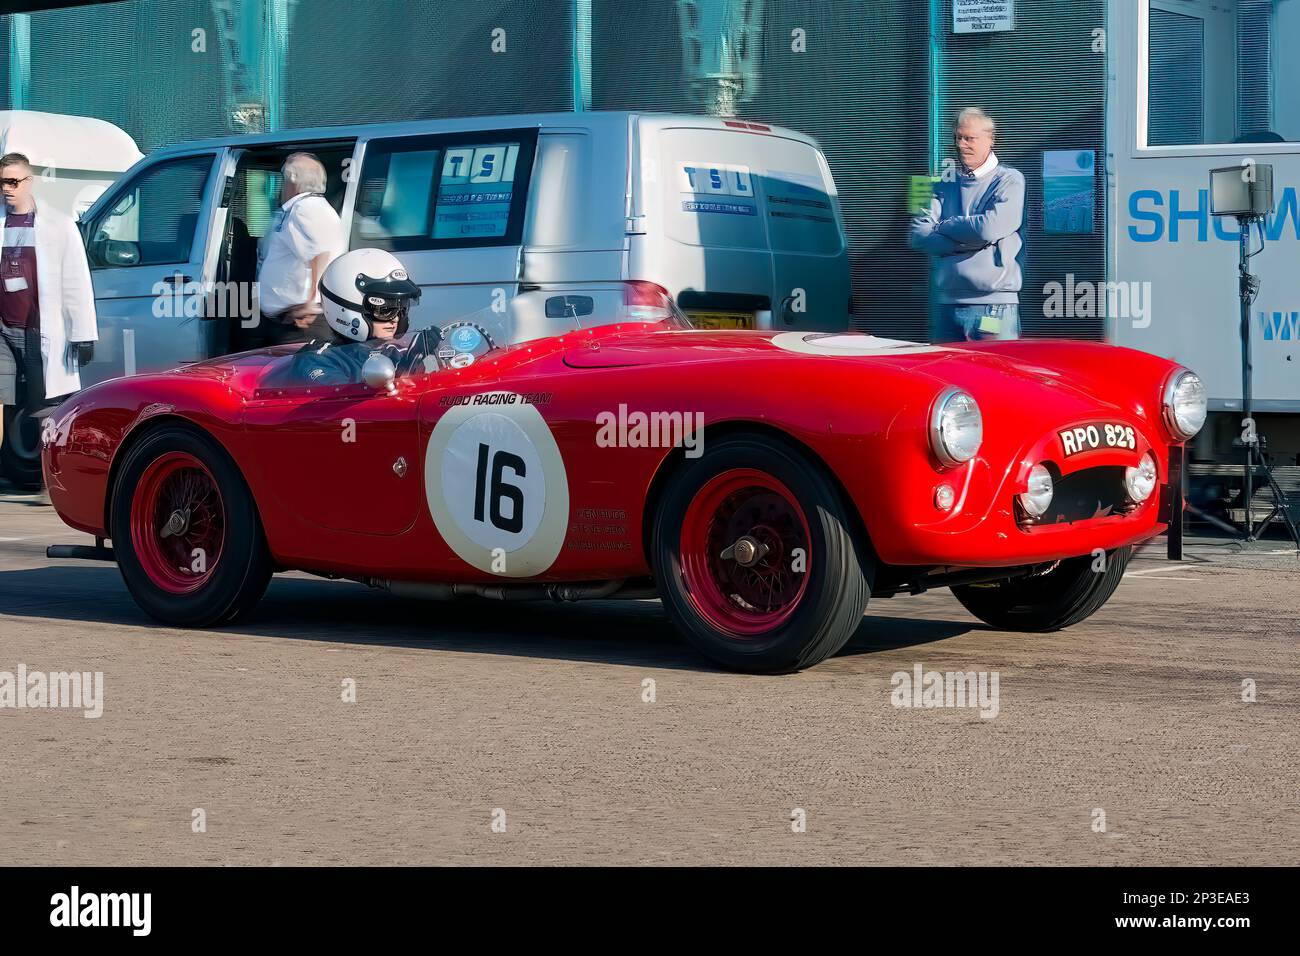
973,229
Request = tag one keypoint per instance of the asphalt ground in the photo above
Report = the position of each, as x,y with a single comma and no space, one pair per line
493,733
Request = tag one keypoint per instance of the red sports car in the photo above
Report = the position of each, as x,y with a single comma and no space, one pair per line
764,484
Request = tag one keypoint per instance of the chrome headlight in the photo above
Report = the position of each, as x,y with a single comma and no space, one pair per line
1184,404
1139,482
956,428
1037,496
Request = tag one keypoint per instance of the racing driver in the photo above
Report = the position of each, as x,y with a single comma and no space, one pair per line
366,296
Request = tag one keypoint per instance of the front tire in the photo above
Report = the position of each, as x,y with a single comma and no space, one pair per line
755,558
1060,598
185,530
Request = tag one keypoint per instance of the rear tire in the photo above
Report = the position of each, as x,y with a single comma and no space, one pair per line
185,530
1064,596
779,611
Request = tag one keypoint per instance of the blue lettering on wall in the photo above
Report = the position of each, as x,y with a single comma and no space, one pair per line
1200,215
1280,326
1286,209
1135,212
1148,218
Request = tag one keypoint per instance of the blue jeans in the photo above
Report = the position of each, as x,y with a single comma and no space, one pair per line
973,323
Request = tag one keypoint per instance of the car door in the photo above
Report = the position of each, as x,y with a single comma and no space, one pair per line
148,250
452,208
339,457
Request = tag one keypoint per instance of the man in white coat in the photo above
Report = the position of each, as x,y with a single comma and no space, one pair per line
47,305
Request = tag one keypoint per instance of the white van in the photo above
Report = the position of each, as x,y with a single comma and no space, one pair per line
74,158
521,221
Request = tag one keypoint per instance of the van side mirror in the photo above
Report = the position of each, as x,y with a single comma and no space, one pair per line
114,253
378,373
569,306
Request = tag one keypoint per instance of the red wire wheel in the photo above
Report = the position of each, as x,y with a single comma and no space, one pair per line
176,511
738,543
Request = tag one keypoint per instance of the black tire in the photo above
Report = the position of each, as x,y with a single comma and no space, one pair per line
1060,598
240,574
20,449
827,611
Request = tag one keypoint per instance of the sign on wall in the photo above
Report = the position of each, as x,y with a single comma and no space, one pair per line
983,16
920,190
1069,190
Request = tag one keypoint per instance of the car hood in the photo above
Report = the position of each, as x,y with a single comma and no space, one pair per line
1011,375
859,350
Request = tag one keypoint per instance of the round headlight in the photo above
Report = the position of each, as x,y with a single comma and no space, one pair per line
1139,482
1184,404
1037,496
956,428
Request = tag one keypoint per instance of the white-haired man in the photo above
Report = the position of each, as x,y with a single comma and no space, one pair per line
973,231
305,237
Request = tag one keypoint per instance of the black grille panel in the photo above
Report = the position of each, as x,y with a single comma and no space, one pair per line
1086,494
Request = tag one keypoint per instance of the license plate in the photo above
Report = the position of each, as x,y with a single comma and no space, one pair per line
721,320
1097,435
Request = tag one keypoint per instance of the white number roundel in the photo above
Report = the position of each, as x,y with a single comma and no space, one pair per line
496,485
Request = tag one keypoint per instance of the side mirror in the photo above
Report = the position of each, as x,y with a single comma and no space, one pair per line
569,306
379,372
116,252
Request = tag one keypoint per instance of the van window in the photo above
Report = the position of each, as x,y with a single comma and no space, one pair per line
154,220
800,212
711,200
741,190
435,192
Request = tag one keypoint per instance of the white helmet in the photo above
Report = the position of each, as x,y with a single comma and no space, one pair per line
364,285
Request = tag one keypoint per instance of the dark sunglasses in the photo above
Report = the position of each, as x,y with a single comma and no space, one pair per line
14,183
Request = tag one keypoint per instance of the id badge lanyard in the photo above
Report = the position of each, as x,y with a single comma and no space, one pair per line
12,266
11,269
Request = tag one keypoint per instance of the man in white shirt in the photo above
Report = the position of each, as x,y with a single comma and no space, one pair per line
306,236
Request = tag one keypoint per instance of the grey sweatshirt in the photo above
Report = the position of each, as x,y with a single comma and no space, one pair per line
973,229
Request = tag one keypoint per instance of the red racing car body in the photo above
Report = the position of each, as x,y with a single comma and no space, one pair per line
764,484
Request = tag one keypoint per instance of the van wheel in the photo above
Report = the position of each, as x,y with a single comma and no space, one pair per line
755,558
1060,598
20,449
186,532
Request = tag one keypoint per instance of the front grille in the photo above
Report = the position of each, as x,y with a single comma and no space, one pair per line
1086,494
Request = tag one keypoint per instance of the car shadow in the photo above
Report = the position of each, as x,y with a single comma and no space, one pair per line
637,633
879,632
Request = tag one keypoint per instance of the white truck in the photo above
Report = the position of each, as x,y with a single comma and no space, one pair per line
74,159
1197,85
